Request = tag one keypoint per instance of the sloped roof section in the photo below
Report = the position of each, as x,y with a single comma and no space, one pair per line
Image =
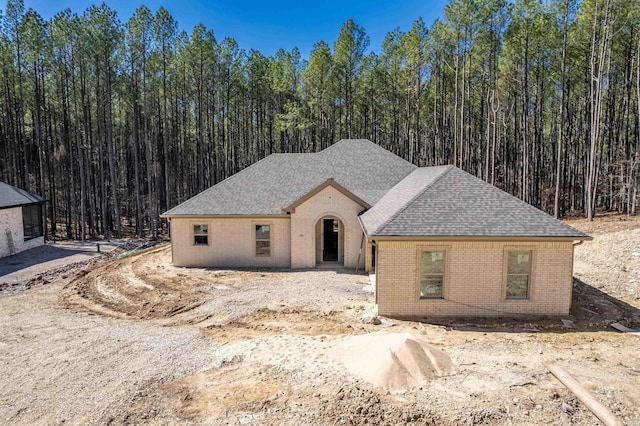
399,197
265,188
448,202
10,196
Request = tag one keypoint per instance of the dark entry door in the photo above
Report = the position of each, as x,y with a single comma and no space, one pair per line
373,256
330,252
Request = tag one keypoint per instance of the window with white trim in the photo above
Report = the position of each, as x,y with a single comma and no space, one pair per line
200,235
518,274
263,240
432,274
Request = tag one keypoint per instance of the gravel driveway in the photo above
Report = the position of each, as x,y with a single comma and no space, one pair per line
58,366
27,264
61,363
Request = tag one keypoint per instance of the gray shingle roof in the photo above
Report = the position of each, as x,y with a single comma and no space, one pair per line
10,196
277,181
446,201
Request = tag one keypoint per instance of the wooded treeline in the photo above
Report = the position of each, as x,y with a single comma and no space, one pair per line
116,122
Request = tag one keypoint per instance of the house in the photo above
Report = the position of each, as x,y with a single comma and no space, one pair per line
20,220
440,241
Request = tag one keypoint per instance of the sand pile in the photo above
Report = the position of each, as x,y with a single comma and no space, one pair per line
395,361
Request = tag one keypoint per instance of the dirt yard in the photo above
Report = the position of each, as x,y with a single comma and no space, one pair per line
137,341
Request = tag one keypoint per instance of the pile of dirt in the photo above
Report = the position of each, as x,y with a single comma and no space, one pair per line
355,405
394,361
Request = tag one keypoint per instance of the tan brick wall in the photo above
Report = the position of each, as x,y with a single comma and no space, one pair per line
11,228
474,279
231,243
328,202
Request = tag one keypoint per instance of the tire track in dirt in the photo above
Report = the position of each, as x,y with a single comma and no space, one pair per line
136,286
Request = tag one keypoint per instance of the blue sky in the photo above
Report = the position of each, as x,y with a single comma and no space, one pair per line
270,25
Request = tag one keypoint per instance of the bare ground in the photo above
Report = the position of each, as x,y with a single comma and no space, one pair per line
138,341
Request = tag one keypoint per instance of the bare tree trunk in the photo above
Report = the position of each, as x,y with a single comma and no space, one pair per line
79,147
599,59
136,149
151,199
110,153
103,181
22,136
456,136
38,135
525,123
635,180
87,150
561,131
165,130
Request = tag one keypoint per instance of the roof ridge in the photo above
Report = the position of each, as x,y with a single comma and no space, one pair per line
340,142
345,140
447,169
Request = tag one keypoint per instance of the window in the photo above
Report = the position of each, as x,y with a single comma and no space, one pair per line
431,274
263,240
201,235
32,221
518,273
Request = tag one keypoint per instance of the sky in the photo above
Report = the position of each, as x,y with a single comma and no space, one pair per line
270,25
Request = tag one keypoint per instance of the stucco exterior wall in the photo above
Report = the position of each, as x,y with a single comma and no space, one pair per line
475,279
327,203
231,243
12,233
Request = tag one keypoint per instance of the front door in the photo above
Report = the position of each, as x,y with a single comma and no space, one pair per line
330,240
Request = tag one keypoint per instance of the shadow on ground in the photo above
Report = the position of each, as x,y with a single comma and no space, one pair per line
40,254
591,304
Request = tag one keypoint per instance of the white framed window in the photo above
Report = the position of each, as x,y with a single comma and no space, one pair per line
518,273
201,235
432,273
263,240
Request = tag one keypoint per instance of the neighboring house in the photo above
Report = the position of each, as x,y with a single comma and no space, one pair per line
441,241
20,220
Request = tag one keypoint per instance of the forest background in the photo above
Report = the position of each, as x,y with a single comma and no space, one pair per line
115,122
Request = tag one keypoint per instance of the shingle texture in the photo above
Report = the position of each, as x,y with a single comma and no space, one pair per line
407,201
10,196
446,201
277,181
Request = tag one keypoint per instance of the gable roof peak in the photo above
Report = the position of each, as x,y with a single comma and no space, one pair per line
291,208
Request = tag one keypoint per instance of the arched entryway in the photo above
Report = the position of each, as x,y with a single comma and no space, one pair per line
329,240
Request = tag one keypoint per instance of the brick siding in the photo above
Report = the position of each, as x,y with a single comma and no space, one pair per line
12,233
327,203
474,283
231,243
